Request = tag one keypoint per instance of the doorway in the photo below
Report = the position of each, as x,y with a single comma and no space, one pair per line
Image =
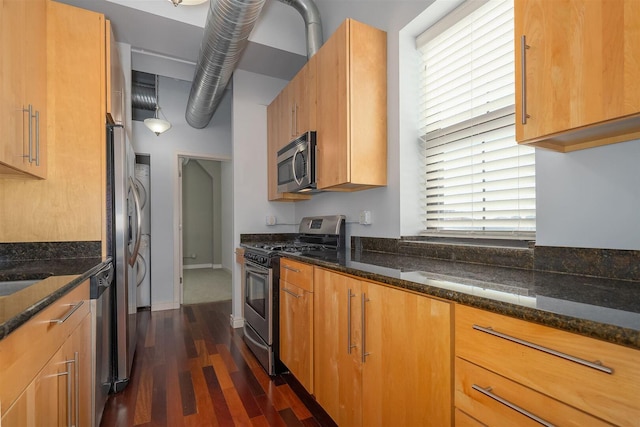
204,279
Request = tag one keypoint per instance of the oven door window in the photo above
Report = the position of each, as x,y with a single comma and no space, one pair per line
285,171
257,292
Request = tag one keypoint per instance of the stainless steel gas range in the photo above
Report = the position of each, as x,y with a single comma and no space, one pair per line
321,236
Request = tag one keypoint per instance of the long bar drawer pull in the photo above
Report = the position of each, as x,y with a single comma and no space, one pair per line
487,392
293,294
594,365
74,308
286,267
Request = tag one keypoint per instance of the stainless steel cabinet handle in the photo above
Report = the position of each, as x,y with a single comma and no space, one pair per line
73,309
487,392
594,365
286,267
523,75
293,294
37,138
349,345
73,398
29,111
364,327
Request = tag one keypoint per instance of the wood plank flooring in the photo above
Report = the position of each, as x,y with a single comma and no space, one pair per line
192,369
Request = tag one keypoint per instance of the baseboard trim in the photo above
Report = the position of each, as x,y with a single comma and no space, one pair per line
214,266
236,321
164,306
194,266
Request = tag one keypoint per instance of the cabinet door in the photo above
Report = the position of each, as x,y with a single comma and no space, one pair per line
35,69
302,100
337,346
23,84
580,65
11,81
333,109
407,372
296,332
352,109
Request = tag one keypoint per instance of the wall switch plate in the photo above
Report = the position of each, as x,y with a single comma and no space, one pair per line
365,218
271,220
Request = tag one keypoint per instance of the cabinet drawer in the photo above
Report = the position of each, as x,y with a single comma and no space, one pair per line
487,396
464,420
297,273
25,351
557,366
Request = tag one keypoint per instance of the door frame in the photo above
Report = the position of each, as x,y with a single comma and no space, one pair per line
178,264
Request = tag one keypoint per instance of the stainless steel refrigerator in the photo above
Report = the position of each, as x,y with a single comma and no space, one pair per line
123,225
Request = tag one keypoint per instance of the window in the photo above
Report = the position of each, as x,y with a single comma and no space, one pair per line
477,180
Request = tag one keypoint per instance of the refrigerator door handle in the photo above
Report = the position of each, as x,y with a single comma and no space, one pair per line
136,200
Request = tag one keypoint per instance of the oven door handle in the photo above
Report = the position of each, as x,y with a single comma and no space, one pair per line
247,335
255,268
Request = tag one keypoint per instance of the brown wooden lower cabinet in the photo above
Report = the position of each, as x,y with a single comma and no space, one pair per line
563,378
296,320
382,356
59,392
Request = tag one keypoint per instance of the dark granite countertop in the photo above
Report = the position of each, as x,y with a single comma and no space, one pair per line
606,309
57,278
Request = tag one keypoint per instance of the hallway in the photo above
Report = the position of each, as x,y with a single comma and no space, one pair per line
192,369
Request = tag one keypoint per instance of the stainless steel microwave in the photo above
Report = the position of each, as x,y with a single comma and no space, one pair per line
297,165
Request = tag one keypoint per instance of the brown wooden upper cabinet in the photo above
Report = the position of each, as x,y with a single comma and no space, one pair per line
352,109
341,93
23,83
577,67
289,115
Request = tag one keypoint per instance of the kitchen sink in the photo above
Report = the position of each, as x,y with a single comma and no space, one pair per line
12,286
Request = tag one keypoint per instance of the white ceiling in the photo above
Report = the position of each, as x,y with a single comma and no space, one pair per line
277,45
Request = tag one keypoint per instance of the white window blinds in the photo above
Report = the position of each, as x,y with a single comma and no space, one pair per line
477,179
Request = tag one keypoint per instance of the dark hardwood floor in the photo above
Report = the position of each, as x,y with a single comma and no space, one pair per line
192,369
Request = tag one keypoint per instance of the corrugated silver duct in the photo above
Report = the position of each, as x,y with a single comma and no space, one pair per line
226,33
312,22
143,97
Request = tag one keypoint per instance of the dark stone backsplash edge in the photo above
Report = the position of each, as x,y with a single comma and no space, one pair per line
49,250
605,263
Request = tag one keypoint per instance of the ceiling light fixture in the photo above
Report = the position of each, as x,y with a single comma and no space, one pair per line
187,2
155,124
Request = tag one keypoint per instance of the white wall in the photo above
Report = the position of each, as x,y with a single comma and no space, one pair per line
213,142
589,198
251,95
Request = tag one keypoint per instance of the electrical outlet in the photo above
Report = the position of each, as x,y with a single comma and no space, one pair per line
271,220
365,218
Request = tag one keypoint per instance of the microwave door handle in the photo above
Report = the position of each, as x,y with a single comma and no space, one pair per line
293,165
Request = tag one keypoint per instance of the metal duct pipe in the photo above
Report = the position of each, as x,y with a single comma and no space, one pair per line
312,22
226,33
143,97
